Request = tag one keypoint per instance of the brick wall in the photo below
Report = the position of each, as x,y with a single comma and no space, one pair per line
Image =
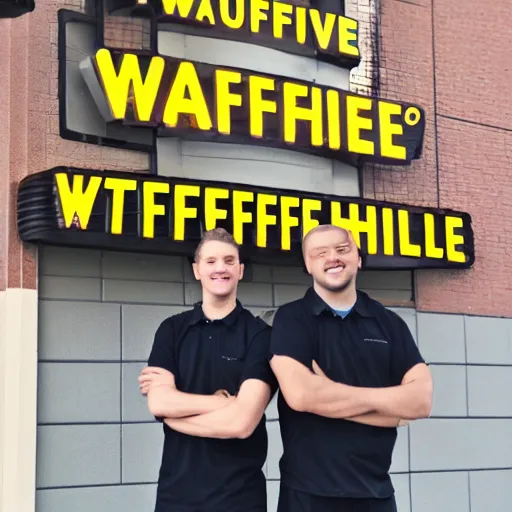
450,57
30,140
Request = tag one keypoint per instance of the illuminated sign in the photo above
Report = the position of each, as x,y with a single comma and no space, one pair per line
140,212
307,31
221,104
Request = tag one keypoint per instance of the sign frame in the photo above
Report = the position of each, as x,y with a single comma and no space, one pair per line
320,119
95,19
11,9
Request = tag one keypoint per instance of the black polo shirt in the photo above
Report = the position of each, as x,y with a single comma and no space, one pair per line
204,474
371,347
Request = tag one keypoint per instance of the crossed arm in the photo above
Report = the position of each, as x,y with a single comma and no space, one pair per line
236,420
314,392
218,416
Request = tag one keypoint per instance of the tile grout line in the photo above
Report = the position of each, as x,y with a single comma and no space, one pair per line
121,393
466,365
93,486
469,491
271,420
128,484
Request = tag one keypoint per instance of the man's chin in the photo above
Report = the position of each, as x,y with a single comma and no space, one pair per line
221,293
335,287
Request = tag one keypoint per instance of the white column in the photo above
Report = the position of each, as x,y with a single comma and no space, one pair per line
18,399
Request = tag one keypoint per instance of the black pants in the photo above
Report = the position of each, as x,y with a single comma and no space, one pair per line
295,501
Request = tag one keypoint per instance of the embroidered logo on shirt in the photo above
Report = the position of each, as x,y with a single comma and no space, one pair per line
227,358
374,340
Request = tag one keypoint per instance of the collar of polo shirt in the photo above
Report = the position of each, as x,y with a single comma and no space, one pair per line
199,316
319,306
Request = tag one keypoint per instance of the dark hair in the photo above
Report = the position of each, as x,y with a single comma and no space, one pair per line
217,235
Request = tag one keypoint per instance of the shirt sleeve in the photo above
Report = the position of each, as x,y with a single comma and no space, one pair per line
162,352
291,337
256,361
406,353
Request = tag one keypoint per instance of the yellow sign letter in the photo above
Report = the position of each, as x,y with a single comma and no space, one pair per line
239,216
181,211
263,219
452,240
179,102
117,85
149,209
287,220
118,186
211,213
76,201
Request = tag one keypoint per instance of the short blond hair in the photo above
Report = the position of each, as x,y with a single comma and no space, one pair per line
216,235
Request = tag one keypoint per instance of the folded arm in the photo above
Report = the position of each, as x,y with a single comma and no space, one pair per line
307,392
237,420
166,401
411,400
377,419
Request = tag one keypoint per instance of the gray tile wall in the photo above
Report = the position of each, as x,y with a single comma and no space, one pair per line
99,449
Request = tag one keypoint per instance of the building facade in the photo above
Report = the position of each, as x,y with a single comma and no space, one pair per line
106,184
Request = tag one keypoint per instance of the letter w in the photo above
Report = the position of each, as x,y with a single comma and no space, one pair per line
184,7
117,85
75,201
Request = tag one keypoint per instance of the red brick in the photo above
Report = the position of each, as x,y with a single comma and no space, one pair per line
473,63
31,142
475,163
472,41
406,64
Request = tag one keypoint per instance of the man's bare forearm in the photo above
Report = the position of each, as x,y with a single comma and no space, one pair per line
377,419
195,428
408,401
166,402
225,424
333,400
326,398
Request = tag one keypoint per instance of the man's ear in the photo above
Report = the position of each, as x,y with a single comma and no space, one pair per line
242,268
196,273
307,266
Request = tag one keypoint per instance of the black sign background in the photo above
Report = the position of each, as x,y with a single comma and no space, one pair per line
411,139
40,221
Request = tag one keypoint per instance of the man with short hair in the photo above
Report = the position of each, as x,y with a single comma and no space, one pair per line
350,373
208,379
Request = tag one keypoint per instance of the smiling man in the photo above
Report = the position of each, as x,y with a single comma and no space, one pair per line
350,373
208,379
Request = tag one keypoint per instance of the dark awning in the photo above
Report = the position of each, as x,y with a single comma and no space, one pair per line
15,8
157,214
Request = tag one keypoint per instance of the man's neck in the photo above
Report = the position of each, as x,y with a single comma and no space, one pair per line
341,301
215,308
